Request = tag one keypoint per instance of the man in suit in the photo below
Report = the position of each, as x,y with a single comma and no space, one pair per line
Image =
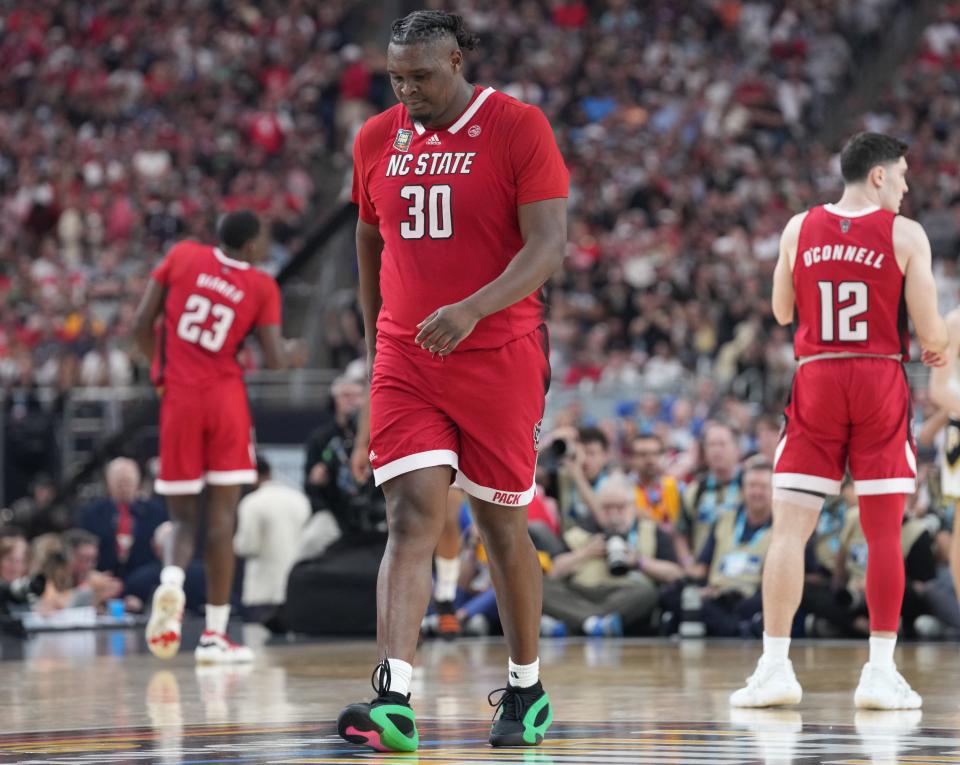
123,521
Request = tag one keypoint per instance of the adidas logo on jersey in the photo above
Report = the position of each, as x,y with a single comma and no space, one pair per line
433,140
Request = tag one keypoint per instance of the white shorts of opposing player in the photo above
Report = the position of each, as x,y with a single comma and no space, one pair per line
774,684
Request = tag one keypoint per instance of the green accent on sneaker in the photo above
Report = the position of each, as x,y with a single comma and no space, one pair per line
533,733
391,736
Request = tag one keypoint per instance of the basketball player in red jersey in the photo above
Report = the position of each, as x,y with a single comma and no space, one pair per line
210,299
851,272
462,194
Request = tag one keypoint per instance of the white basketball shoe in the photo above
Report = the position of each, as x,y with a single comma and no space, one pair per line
166,619
882,687
217,648
773,684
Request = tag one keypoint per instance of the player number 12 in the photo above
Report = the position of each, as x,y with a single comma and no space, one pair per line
847,330
429,209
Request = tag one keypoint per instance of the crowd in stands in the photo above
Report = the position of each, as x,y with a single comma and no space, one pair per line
696,542
110,550
127,126
690,133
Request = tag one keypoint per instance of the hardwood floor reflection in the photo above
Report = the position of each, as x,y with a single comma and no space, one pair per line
622,701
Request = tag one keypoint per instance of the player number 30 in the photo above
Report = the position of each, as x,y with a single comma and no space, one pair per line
195,314
429,212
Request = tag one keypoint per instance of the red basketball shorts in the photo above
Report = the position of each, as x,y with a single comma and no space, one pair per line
848,412
477,411
206,436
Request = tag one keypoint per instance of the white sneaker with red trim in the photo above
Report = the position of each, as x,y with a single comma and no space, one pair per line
166,618
217,648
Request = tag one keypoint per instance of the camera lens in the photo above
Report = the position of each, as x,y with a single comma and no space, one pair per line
618,555
558,448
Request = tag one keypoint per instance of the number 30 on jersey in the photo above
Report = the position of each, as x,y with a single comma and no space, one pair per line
429,212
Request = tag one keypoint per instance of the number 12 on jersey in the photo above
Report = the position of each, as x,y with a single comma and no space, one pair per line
839,325
429,212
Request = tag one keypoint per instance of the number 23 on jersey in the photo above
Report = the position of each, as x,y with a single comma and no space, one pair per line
196,311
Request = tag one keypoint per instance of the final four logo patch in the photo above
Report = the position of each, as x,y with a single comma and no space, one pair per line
402,141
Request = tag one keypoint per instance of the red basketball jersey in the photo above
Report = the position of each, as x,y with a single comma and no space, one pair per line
445,201
212,303
849,288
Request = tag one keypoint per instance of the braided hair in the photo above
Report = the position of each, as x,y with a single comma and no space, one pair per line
427,26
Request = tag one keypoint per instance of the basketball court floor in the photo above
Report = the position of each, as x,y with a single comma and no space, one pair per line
95,697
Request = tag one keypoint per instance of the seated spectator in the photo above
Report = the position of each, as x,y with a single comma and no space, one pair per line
62,557
36,514
766,436
732,559
584,464
607,583
476,603
717,490
13,556
329,481
270,521
16,589
48,558
830,524
658,495
123,522
81,549
88,587
841,609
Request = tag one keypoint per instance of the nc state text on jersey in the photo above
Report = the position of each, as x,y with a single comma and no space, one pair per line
848,253
434,163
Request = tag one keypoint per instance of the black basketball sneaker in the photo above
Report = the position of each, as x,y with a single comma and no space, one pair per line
386,724
523,716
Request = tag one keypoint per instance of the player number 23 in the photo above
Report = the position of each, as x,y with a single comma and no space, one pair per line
195,314
840,325
429,212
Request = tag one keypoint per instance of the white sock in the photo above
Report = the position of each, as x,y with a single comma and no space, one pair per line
172,575
400,674
775,648
448,572
523,675
881,651
217,618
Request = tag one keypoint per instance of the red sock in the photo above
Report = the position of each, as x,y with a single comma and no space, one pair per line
881,518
